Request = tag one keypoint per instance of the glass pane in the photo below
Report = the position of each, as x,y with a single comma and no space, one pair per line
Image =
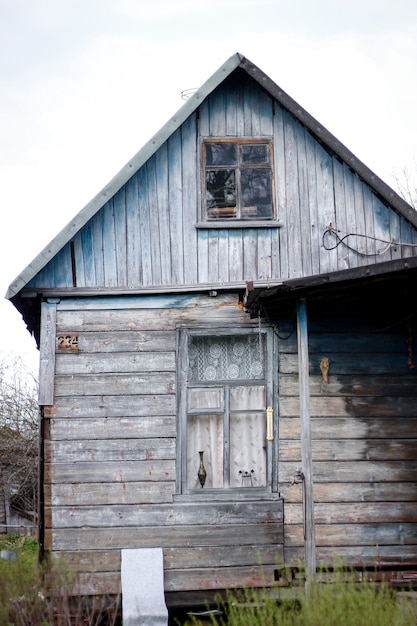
227,358
248,398
256,193
221,190
205,433
258,153
205,398
247,450
224,153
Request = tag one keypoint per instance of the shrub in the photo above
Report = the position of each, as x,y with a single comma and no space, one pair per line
46,595
342,602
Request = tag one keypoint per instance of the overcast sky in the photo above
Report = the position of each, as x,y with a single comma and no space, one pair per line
85,83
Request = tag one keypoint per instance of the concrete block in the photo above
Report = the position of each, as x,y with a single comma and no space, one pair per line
143,598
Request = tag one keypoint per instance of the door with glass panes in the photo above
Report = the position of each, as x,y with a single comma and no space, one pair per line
227,438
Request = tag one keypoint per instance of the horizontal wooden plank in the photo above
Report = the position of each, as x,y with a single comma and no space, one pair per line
350,406
355,513
192,579
356,492
108,406
115,384
358,556
338,535
355,384
176,580
330,344
103,450
112,471
355,364
89,494
80,429
202,311
126,341
142,302
351,428
190,513
185,558
118,537
80,363
352,450
360,472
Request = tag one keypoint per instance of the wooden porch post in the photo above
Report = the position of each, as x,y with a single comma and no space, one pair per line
306,456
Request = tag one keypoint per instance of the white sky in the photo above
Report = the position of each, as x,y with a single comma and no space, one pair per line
85,83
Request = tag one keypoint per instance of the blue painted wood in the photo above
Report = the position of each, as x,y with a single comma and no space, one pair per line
145,235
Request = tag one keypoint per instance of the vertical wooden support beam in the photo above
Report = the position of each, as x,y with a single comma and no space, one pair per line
47,353
306,455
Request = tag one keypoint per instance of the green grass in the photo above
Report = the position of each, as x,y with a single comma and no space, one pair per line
46,595
342,602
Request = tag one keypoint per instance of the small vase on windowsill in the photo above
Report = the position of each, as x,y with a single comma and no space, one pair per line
201,470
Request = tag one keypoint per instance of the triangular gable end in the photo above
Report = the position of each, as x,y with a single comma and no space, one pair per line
330,143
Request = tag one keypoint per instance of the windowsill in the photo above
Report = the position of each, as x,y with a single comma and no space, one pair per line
220,224
227,495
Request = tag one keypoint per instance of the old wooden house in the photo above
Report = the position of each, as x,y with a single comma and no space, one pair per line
226,336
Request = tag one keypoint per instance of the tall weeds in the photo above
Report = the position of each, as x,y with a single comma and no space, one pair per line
48,594
342,602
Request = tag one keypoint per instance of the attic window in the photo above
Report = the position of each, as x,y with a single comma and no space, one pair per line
238,182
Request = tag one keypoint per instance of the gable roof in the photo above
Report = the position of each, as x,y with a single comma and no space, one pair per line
330,142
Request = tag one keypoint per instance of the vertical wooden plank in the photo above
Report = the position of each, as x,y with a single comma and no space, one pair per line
303,202
203,256
217,114
250,253
109,245
161,159
63,268
235,255
88,256
325,203
280,269
190,180
231,112
293,241
97,232
360,243
340,210
134,259
175,207
144,227
79,270
47,353
350,222
313,211
382,230
306,454
154,221
119,207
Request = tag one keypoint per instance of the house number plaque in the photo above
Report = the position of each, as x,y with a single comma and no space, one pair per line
67,341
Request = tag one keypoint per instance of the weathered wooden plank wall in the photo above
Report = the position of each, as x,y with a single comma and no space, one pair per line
110,452
364,438
146,235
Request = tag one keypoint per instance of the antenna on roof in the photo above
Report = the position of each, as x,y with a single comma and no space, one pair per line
187,93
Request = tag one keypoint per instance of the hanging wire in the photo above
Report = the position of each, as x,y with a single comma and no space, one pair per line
343,240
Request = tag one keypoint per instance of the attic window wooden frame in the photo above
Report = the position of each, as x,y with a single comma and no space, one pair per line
234,214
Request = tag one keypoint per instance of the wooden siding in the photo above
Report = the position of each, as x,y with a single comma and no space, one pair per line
110,453
146,235
364,436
